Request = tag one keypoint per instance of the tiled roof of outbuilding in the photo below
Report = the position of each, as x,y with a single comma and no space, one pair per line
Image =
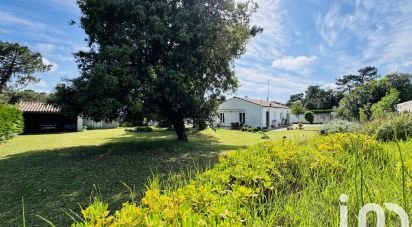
38,107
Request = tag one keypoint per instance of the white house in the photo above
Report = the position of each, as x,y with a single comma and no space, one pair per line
404,107
253,112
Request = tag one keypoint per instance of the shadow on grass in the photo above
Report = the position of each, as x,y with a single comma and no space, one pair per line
62,179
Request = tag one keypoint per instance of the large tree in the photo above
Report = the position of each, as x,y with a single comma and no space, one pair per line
351,81
361,99
295,97
298,108
18,65
167,56
403,83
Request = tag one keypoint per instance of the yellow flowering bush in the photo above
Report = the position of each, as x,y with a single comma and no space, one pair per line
233,192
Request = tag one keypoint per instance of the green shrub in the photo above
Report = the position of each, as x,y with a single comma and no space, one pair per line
251,187
392,127
337,126
143,129
230,193
11,121
309,116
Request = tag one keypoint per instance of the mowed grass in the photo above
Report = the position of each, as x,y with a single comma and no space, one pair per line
56,173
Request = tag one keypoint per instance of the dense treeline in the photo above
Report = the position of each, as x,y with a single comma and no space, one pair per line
359,96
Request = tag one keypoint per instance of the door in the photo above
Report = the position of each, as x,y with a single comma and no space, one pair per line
288,118
267,119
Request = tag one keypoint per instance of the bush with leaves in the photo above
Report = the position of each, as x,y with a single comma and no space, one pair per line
386,104
245,188
339,126
11,121
309,116
392,126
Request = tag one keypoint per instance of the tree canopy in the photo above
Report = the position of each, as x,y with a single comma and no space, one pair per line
18,65
349,82
168,57
297,108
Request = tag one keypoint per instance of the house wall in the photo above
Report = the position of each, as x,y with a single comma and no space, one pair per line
276,115
255,115
404,107
232,107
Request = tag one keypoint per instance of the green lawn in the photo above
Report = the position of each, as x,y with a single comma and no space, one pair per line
58,172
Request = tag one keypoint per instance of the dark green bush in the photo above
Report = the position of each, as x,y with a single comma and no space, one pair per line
310,116
143,129
11,121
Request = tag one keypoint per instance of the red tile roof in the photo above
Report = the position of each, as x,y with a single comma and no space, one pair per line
264,103
38,107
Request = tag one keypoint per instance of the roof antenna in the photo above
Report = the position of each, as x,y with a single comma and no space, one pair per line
268,89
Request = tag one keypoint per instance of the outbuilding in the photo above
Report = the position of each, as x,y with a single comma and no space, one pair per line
43,117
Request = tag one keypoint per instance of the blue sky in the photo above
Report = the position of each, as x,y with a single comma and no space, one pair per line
305,42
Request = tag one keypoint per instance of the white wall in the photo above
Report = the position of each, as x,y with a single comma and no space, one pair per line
100,125
320,118
405,107
79,124
255,115
232,107
275,116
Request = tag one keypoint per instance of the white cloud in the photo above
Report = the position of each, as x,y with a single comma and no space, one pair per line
270,42
41,86
254,81
371,33
47,62
294,64
7,19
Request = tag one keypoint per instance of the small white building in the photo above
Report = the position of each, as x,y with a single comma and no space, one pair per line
253,112
404,107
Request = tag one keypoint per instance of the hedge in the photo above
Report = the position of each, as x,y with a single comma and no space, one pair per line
322,111
11,121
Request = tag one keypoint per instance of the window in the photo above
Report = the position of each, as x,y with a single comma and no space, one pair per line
222,117
242,118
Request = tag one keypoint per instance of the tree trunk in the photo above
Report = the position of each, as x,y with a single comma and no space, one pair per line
201,123
180,130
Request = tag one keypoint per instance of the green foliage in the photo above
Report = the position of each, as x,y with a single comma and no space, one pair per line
322,111
386,105
309,116
362,98
18,65
11,121
265,185
143,129
401,82
297,108
295,97
339,126
25,96
317,98
389,127
349,82
164,57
